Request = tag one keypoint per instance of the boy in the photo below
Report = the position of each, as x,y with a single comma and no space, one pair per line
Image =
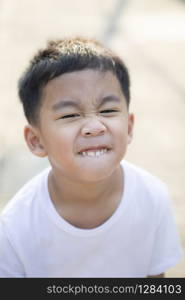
91,214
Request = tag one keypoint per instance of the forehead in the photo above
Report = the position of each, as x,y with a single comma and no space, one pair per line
86,86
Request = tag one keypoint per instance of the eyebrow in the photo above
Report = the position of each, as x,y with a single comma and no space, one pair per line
70,103
64,103
109,98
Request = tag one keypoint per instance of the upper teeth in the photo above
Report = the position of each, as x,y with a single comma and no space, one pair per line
94,153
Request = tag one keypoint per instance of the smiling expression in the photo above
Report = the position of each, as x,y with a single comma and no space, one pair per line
84,124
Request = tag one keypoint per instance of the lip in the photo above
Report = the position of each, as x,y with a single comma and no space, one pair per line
94,148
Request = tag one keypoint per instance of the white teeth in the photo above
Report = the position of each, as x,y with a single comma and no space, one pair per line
91,153
94,153
98,153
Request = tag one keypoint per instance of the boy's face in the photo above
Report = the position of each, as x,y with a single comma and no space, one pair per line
84,125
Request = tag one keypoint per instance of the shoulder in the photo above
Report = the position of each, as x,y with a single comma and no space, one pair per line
146,187
142,178
23,201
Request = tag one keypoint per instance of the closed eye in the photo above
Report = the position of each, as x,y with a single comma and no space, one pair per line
70,116
106,111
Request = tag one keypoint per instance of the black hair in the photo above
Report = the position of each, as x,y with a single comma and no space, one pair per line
63,56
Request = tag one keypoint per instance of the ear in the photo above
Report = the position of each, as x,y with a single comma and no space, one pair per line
130,127
34,141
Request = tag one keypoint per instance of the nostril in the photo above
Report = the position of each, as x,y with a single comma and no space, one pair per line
93,129
94,132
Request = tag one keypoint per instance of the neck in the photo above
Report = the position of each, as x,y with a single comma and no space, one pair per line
64,191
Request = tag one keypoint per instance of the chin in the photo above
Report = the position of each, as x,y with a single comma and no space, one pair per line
95,174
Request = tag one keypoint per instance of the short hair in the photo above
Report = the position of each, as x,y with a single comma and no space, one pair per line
63,56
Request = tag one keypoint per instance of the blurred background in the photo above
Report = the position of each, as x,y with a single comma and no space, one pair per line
149,36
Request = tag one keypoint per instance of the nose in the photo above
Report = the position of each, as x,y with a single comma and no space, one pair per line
93,127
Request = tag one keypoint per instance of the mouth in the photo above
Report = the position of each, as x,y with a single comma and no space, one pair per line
94,152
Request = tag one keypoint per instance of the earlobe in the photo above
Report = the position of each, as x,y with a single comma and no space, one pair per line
33,141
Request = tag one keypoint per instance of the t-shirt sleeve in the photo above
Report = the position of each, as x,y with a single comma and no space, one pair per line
167,250
10,265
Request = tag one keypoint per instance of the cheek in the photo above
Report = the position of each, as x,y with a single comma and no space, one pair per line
65,143
120,129
120,132
59,141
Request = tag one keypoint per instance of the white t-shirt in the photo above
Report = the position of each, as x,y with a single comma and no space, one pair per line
138,240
